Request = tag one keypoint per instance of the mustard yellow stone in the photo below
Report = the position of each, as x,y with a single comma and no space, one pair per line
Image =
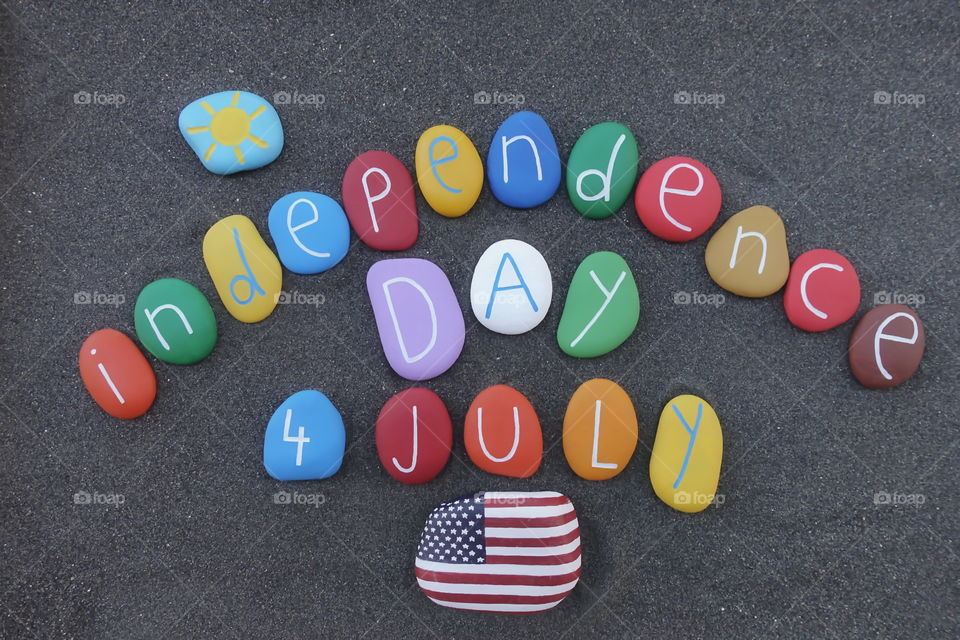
748,254
599,430
686,456
243,268
449,170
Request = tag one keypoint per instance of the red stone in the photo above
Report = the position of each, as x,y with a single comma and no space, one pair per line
692,201
388,192
886,346
405,461
506,449
134,383
832,289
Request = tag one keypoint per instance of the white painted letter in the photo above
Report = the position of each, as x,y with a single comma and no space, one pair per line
533,146
736,248
681,192
293,229
607,295
803,286
604,177
880,335
153,314
516,435
396,323
378,197
596,442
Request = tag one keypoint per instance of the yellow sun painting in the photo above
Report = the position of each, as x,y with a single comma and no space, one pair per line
229,127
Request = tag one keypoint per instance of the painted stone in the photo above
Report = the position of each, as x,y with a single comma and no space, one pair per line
449,170
523,165
511,288
886,346
116,374
305,438
309,230
602,169
823,290
602,307
599,430
380,202
511,552
243,268
677,199
174,321
686,456
418,317
414,435
748,254
232,131
502,433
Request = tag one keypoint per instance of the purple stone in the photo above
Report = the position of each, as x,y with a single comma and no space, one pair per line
418,316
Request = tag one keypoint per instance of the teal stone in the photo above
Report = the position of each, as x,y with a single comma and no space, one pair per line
602,307
175,322
232,131
602,169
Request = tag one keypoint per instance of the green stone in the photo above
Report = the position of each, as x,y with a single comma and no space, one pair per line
602,307
174,321
602,169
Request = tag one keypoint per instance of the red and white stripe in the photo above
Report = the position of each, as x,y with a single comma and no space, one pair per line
532,557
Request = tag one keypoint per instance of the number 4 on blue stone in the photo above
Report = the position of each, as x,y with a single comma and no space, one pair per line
693,438
521,284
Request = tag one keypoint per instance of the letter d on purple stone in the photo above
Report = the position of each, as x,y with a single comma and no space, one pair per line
418,317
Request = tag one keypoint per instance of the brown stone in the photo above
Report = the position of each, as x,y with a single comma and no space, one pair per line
886,346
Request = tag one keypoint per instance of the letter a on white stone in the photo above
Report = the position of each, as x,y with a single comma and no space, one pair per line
533,146
396,323
803,286
880,335
604,177
153,325
596,442
380,196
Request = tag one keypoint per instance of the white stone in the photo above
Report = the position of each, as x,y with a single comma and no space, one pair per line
518,279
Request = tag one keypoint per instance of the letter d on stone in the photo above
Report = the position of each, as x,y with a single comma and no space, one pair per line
418,317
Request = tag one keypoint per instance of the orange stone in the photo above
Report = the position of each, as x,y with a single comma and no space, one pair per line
599,430
116,374
502,433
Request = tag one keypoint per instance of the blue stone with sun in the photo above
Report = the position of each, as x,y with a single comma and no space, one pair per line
232,131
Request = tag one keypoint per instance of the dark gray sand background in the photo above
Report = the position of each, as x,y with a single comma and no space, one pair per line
104,198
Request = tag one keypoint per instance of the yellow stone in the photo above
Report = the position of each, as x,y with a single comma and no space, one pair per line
599,430
449,170
748,254
243,268
685,461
